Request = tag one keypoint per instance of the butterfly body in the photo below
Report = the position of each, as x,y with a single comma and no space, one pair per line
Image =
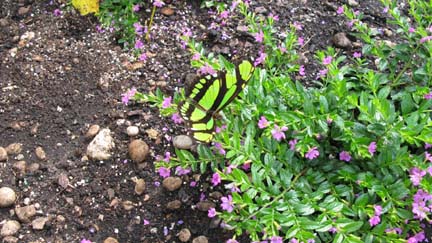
211,94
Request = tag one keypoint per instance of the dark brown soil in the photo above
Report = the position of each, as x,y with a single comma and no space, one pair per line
68,77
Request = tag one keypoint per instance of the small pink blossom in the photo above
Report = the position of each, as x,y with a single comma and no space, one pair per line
158,3
196,57
322,73
224,14
428,96
357,54
260,59
259,37
246,166
302,70
385,10
139,44
411,30
300,41
143,57
227,203
193,184
219,148
372,148
377,210
344,156
164,172
292,143
426,38
427,146
85,241
232,241
312,153
206,69
176,118
136,7
333,230
374,220
182,171
216,179
166,102
57,12
274,17
128,95
327,60
211,212
428,157
340,10
282,49
278,132
263,123
297,26
416,175
146,222
276,239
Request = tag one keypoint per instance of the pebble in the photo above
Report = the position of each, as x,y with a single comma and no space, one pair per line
9,228
40,153
14,148
39,223
176,204
138,150
184,235
388,32
140,186
25,213
182,142
341,40
204,206
19,157
3,154
353,3
20,167
172,183
23,10
167,11
127,205
132,131
200,239
10,239
152,133
260,10
33,167
4,22
7,197
110,240
92,131
100,147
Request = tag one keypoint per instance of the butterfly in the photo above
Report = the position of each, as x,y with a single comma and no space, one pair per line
211,94
86,6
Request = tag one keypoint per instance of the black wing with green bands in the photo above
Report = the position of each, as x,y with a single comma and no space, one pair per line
209,95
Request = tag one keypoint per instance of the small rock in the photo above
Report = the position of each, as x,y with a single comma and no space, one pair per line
34,129
172,183
140,186
215,222
23,10
200,239
353,3
100,147
184,235
182,142
127,205
3,22
25,213
110,240
39,223
167,11
260,10
341,40
7,197
92,131
111,193
204,206
33,167
10,239
40,153
3,154
138,150
152,133
132,131
14,148
20,167
9,228
388,32
19,157
176,204
215,195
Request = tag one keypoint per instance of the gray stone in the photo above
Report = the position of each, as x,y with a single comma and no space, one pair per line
182,142
172,183
100,147
200,239
132,131
9,228
341,40
138,150
3,154
7,197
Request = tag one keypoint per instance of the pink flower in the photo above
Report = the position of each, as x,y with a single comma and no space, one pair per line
139,29
139,44
227,204
211,212
411,30
372,148
85,241
344,156
377,210
278,133
312,153
374,220
428,146
260,59
327,60
128,95
219,148
333,230
259,37
426,38
263,123
292,144
164,172
146,222
416,175
357,54
167,157
246,166
167,102
428,96
193,184
196,57
232,241
322,73
136,7
350,23
300,41
428,156
224,14
216,179
274,17
297,25
176,118
340,10
57,12
282,49
310,241
276,239
302,70
206,69
143,57
158,3
181,171
385,10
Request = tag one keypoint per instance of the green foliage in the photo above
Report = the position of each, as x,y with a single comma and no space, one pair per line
358,103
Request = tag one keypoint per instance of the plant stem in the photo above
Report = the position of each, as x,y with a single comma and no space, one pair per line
150,24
